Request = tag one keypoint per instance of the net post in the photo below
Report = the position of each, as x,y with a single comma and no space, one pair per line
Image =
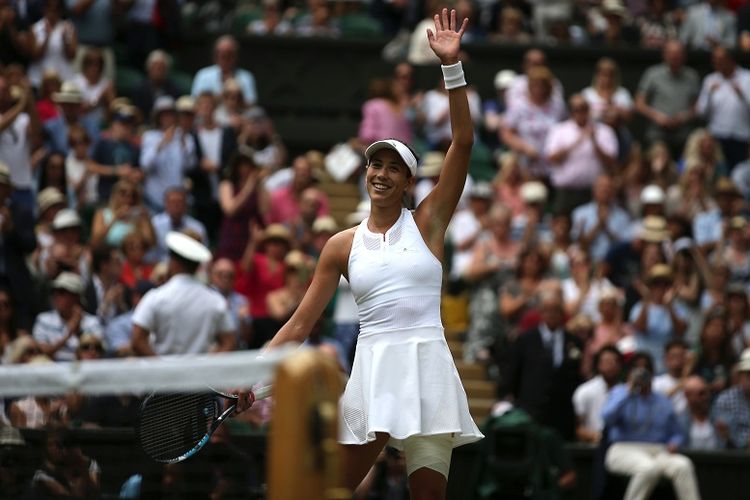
304,455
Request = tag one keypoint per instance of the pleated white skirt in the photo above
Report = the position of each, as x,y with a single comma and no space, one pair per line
404,383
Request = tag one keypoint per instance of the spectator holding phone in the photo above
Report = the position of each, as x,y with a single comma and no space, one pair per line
645,436
123,214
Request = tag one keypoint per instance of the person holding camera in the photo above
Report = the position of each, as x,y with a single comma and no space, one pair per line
645,436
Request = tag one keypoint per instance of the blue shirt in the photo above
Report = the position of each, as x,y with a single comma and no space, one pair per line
584,219
708,227
209,79
643,419
659,329
118,332
94,26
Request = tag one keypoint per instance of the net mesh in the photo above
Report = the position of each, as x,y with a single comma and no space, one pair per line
101,429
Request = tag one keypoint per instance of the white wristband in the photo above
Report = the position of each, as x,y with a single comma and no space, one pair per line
453,76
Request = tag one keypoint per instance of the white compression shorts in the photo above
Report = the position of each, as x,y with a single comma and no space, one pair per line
433,452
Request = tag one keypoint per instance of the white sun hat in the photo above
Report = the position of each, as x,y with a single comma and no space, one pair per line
399,147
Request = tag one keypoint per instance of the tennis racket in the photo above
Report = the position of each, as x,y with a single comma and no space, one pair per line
173,427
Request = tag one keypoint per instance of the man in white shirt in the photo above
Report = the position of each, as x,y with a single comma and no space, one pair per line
671,383
579,150
724,102
19,128
212,78
589,397
708,24
184,316
467,227
174,218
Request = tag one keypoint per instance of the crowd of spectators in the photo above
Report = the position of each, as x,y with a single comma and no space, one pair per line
596,245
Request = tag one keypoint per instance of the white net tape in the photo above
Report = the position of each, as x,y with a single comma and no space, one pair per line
140,375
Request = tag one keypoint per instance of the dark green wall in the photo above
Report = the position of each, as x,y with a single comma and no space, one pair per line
314,88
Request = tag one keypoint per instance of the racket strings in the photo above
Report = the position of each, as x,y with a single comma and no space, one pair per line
172,424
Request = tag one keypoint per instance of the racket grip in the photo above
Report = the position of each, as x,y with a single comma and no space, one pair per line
263,392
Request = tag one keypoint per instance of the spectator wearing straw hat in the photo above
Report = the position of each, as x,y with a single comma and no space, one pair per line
428,172
262,270
70,104
184,315
709,226
167,153
532,225
493,109
731,411
17,241
58,331
322,230
66,251
657,317
468,225
622,262
19,129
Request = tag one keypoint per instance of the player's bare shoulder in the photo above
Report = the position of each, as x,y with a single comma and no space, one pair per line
337,249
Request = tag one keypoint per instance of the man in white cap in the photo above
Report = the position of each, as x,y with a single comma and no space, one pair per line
731,410
532,226
58,331
167,153
184,316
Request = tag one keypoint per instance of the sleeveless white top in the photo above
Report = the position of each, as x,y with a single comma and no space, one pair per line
403,379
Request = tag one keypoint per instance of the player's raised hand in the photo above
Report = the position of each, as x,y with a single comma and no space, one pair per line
445,42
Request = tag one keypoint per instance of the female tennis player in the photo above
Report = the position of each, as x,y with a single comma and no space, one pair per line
404,388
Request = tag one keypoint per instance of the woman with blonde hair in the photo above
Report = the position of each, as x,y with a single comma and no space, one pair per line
124,214
702,149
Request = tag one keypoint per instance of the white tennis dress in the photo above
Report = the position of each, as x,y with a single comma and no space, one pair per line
403,379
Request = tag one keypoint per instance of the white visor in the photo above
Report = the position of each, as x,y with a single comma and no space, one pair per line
399,147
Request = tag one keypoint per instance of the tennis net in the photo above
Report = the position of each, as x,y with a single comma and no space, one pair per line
70,428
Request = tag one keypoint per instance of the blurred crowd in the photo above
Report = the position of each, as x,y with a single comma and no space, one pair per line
612,236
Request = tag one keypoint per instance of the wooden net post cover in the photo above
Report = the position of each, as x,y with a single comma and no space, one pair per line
304,456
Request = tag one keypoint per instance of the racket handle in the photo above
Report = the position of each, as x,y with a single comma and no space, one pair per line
263,392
